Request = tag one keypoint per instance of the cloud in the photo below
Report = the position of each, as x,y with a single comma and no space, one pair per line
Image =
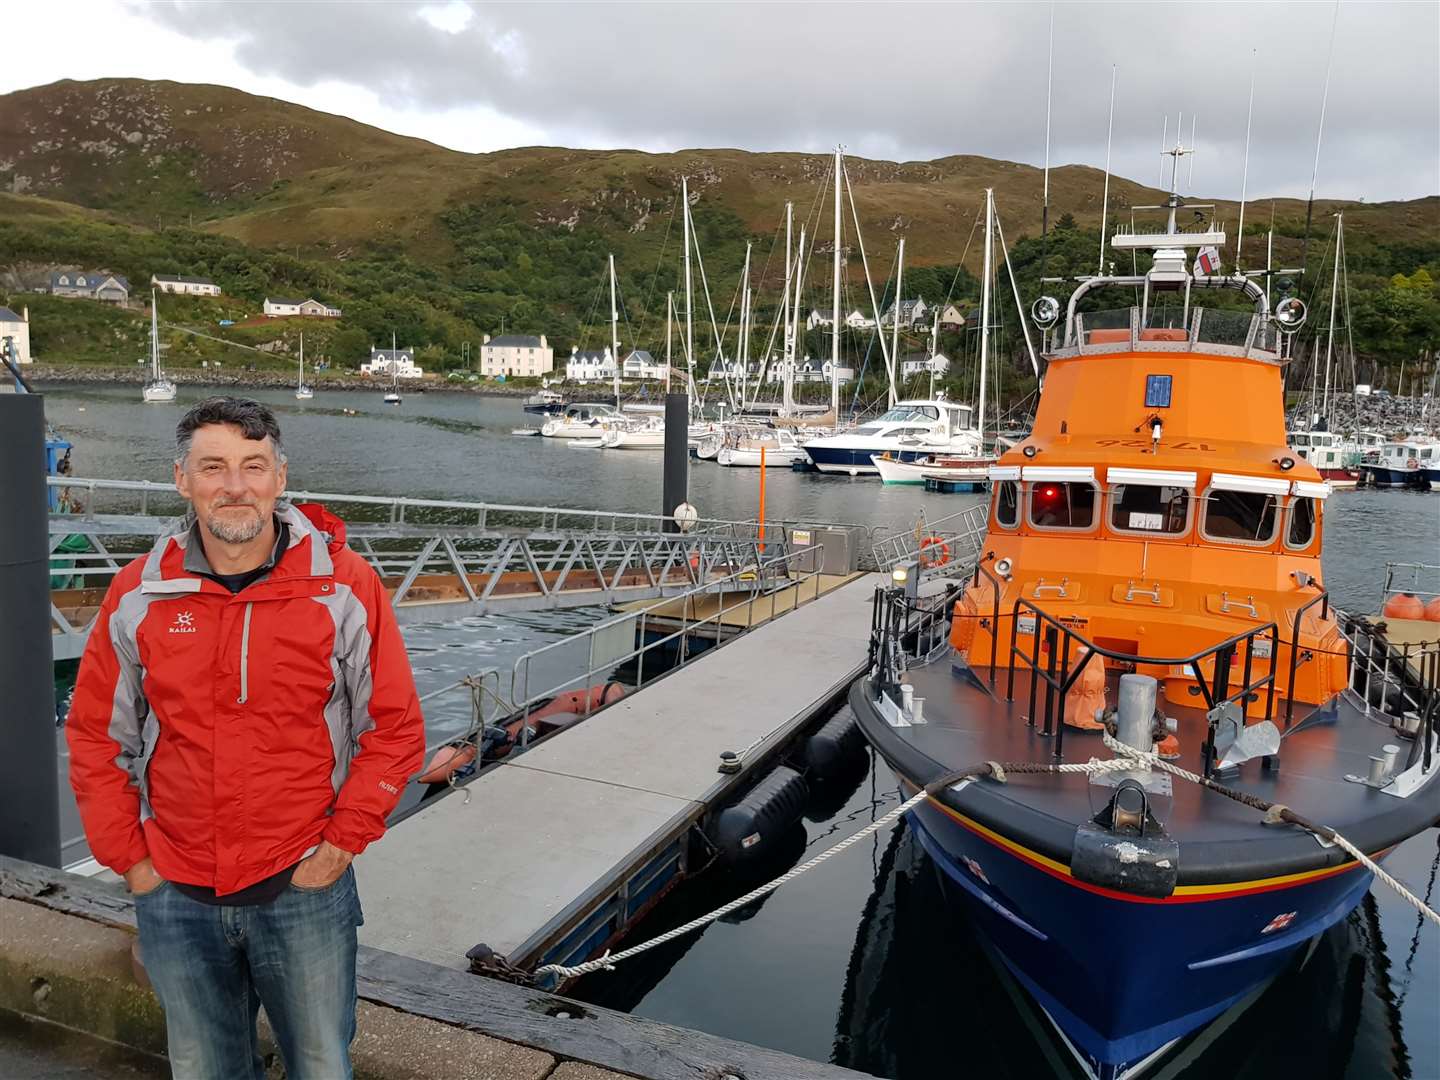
888,80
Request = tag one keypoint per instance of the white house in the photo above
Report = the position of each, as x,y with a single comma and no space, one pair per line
516,354
951,315
279,307
857,321
817,371
17,329
920,364
91,285
392,362
817,319
639,364
913,314
590,365
186,286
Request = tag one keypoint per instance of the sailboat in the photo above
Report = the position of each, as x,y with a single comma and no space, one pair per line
303,392
158,389
393,397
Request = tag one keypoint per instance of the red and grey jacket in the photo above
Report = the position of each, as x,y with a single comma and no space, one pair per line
224,735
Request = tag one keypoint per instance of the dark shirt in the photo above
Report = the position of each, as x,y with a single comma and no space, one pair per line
267,889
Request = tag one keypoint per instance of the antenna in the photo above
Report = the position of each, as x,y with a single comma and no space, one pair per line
1190,180
1164,145
1245,173
1045,203
1319,135
1105,198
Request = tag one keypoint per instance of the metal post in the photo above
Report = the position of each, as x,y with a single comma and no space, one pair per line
676,476
29,768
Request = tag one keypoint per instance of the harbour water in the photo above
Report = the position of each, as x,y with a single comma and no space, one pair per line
853,962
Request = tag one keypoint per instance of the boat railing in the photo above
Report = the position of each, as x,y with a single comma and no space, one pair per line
1399,681
1417,579
1061,641
1171,329
764,590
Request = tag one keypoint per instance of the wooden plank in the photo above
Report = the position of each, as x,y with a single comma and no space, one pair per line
568,1029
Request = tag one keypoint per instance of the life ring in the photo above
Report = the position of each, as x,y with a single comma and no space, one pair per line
934,542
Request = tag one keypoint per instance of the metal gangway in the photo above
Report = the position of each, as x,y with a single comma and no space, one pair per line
438,558
943,547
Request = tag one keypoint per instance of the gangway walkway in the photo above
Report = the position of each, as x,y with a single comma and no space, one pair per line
467,558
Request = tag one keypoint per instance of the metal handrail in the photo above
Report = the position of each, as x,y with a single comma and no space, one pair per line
904,546
769,576
1058,634
1324,600
613,520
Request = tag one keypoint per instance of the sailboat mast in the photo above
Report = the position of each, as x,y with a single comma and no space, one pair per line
1334,303
835,305
934,349
669,320
985,305
689,290
895,329
302,360
154,338
614,332
789,344
789,396
743,351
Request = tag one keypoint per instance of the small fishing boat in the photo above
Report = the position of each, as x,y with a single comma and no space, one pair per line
1149,598
894,471
1333,457
544,402
158,389
1406,463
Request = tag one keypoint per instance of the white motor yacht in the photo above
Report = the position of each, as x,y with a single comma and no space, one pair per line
909,430
583,420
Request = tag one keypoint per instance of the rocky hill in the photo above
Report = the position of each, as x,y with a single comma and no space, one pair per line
135,175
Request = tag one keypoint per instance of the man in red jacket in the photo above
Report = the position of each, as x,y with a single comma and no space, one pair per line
243,721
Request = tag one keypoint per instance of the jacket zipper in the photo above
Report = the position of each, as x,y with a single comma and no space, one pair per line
245,655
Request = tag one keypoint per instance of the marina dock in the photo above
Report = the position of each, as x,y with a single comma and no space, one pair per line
552,854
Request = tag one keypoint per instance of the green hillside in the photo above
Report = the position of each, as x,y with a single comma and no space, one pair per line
441,247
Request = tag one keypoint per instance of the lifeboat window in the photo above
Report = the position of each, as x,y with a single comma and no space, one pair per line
1007,504
1062,505
1301,528
1151,509
1242,517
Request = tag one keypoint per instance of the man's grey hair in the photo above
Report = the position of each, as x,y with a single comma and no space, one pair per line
254,420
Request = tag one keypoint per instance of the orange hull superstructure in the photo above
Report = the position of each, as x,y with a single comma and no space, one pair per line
1173,582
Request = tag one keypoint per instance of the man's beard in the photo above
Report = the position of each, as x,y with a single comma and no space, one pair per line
235,532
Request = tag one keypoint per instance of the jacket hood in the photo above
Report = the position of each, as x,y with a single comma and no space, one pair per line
326,523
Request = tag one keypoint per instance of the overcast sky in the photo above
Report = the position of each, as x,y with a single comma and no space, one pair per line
896,81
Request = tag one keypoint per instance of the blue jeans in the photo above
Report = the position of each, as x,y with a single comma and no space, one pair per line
213,967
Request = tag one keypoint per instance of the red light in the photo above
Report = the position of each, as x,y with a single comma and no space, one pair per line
1049,492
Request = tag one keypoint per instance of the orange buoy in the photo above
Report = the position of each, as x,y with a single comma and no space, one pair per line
1432,610
447,761
1404,606
1087,697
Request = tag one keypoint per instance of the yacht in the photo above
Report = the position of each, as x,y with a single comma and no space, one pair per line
158,389
742,448
582,420
1149,594
302,392
909,430
545,402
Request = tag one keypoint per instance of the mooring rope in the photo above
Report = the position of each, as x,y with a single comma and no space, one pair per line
1275,813
1128,757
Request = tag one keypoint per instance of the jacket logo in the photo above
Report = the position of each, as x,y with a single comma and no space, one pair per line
184,623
